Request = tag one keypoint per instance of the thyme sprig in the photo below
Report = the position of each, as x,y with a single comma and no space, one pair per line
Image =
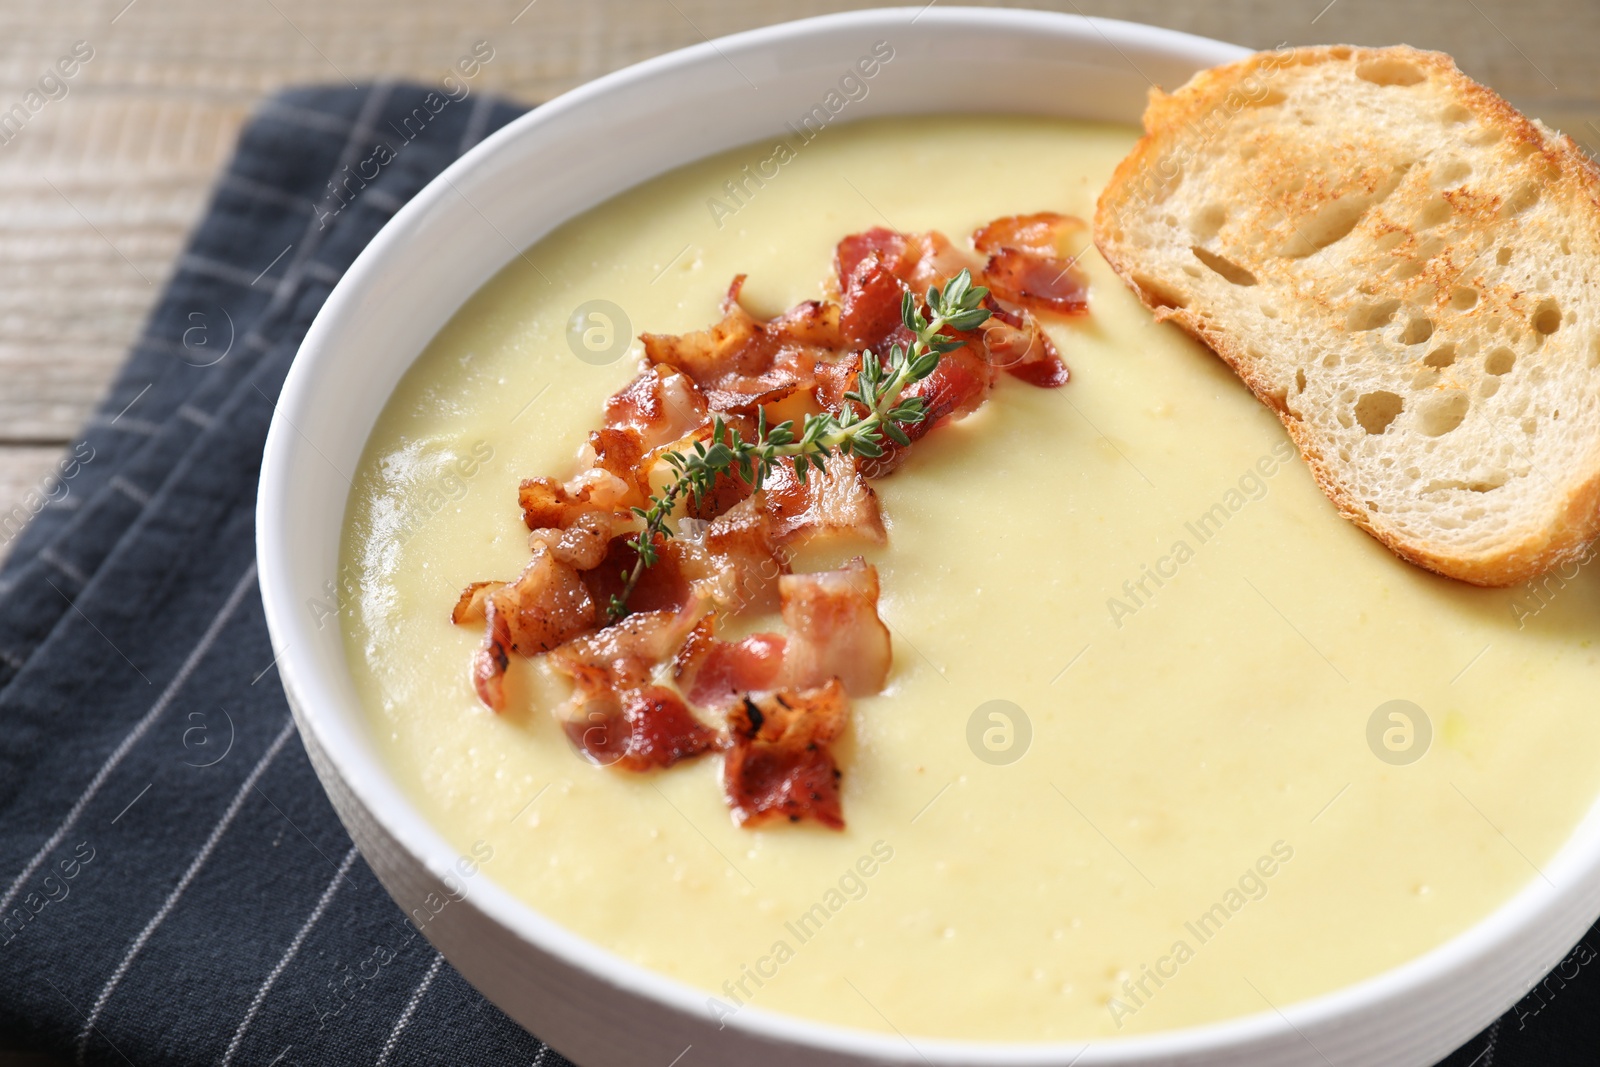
878,410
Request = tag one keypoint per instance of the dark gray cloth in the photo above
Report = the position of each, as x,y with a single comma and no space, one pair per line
174,887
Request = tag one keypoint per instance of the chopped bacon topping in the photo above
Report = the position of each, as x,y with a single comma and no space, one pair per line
605,664
740,364
583,544
958,386
812,322
830,503
654,728
659,405
1036,281
834,629
778,765
629,648
734,560
544,607
1045,233
870,298
1017,345
889,246
717,674
1029,262
663,587
648,689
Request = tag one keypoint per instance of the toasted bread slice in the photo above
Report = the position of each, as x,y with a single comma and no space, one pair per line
1406,270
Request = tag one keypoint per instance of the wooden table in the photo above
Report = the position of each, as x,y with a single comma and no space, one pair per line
100,187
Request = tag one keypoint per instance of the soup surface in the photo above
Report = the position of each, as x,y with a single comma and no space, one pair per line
1138,764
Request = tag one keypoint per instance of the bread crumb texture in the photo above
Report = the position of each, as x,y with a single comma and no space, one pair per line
1403,267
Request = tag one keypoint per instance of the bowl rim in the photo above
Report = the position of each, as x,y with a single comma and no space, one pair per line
1571,877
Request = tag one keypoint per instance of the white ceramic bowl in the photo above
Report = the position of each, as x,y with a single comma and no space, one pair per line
608,136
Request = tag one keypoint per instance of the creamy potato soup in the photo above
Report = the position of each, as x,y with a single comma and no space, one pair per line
1165,740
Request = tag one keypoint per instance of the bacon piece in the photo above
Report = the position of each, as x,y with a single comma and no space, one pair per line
930,259
493,658
653,728
583,544
659,405
1029,263
663,587
604,664
917,259
1045,233
734,560
617,452
627,649
736,363
471,605
726,489
1016,343
716,674
812,322
1041,282
779,766
834,629
958,386
549,504
544,607
831,503
870,297
876,267
889,246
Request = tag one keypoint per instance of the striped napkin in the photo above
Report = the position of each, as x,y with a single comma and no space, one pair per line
174,888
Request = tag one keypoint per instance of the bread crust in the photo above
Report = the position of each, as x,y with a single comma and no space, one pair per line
1524,554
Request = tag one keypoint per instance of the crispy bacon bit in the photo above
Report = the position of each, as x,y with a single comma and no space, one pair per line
654,728
734,561
889,246
930,260
583,544
717,674
869,303
737,363
779,766
727,489
628,648
493,658
1041,282
834,629
660,405
958,386
544,607
620,657
1017,345
1030,263
471,606
1045,233
617,452
831,503
546,503
663,587
814,323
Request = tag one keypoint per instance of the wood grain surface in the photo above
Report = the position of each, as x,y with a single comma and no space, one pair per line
100,187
